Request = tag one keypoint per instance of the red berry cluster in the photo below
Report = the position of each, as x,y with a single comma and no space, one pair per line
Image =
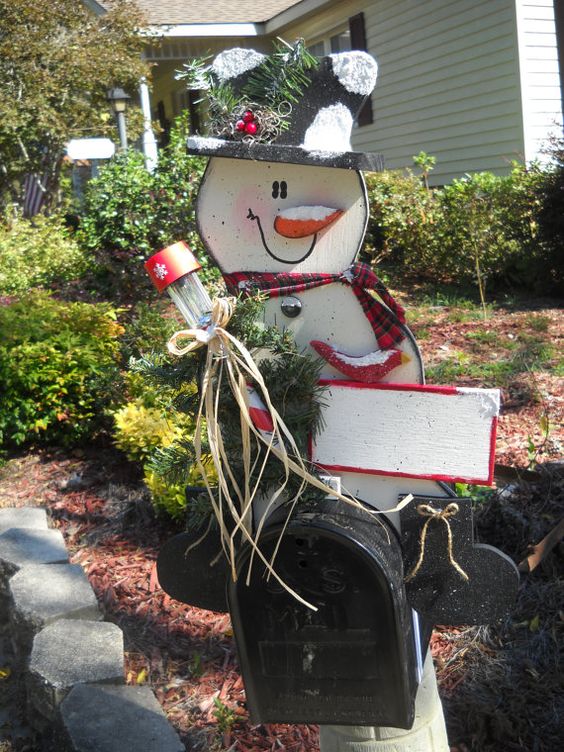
247,123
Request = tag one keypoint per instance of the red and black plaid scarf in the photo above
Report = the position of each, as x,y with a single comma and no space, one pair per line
385,321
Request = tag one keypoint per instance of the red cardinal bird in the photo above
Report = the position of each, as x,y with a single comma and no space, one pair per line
367,368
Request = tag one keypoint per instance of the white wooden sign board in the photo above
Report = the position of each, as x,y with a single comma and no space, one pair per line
90,148
432,432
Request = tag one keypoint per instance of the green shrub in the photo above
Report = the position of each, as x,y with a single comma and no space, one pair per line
169,498
130,213
146,424
549,217
481,228
402,225
37,252
59,370
149,327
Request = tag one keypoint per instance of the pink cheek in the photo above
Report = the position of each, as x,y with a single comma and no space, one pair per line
243,227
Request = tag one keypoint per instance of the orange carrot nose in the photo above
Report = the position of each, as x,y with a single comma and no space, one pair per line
304,220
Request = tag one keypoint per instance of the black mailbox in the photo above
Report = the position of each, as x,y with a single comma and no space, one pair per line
353,660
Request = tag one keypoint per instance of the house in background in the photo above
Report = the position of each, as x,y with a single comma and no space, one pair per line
476,83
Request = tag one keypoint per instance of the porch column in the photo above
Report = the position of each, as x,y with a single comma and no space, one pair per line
149,141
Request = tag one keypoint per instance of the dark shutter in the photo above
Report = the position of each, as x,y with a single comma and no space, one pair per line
358,42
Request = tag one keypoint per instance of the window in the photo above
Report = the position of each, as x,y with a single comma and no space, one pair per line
338,41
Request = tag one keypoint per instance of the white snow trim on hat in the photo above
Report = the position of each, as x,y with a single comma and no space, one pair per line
231,63
202,142
330,131
357,71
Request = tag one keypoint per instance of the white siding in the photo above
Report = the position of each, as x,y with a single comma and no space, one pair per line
448,81
540,79
449,84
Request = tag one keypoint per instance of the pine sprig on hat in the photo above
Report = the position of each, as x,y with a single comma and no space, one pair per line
257,109
282,77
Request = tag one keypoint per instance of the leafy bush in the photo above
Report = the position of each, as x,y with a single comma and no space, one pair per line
550,217
149,327
146,425
481,228
169,498
59,369
130,213
402,226
36,253
139,430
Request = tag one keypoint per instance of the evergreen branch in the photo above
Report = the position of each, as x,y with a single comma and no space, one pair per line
197,74
292,380
282,76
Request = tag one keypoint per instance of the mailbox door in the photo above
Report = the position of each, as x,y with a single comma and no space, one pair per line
351,661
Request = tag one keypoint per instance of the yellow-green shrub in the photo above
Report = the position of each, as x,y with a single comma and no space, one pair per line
37,252
168,497
59,370
139,430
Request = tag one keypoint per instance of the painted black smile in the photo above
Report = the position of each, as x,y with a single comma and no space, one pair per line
255,218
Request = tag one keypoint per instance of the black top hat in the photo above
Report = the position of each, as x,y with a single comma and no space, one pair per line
317,125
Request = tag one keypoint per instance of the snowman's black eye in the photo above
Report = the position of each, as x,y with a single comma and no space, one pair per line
279,189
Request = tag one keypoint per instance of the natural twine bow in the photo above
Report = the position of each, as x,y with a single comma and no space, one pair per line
426,510
227,356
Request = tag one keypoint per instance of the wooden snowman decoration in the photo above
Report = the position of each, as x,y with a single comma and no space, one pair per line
286,214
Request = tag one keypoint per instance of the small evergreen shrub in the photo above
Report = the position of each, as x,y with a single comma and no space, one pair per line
37,253
149,327
59,370
549,217
146,425
166,497
130,213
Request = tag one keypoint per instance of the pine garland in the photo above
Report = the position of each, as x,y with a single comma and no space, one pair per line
292,379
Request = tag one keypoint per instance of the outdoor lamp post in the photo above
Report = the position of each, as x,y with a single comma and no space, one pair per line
118,100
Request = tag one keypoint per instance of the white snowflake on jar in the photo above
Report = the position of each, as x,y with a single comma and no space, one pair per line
160,271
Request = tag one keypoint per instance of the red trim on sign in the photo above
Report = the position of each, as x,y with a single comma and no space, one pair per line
430,388
493,436
397,474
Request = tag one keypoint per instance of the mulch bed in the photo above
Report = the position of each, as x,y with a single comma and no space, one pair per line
501,686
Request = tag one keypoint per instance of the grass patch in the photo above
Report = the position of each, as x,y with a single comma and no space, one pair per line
538,322
497,373
422,332
462,315
484,336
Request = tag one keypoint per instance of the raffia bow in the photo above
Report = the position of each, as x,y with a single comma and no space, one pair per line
228,357
442,515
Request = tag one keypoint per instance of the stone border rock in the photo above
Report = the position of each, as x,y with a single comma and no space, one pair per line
71,661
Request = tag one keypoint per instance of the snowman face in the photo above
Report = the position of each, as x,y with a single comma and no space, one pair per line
278,217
